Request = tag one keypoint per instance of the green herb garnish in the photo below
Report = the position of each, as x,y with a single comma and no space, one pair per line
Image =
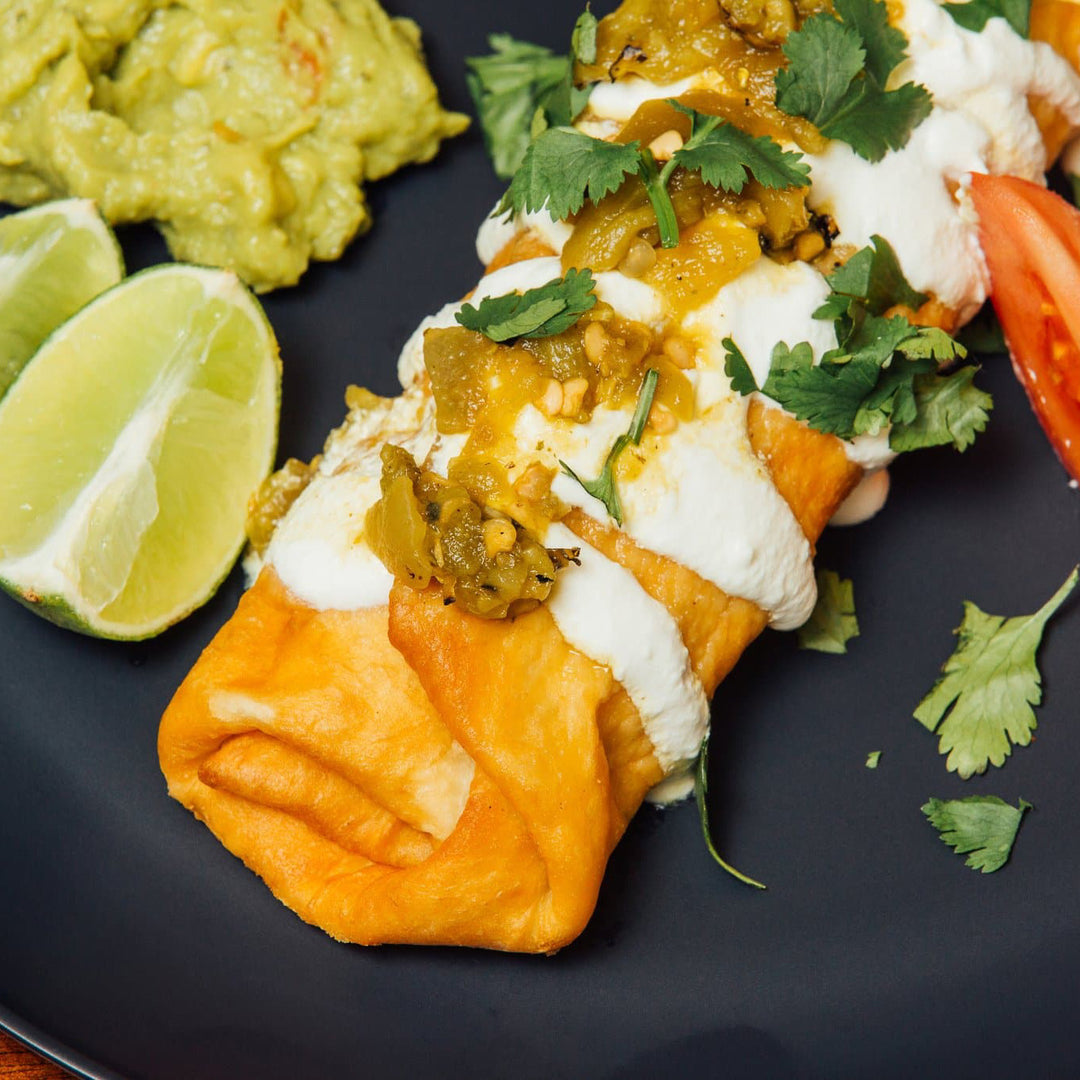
701,791
884,371
975,14
520,88
873,758
562,167
603,487
983,827
836,76
982,705
832,624
983,336
549,309
737,368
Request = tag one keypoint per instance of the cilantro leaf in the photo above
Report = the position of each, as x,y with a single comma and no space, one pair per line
828,397
583,38
982,704
799,358
873,758
823,59
508,87
549,309
983,336
836,76
832,624
872,276
949,409
873,122
737,369
983,827
562,166
727,156
603,487
520,88
701,791
975,14
885,46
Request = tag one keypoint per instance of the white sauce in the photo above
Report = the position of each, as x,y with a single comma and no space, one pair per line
905,198
603,612
764,305
319,551
865,501
497,230
619,101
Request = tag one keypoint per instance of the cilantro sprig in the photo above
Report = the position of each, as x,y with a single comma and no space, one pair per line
701,791
726,157
548,309
981,706
562,167
974,14
832,624
983,827
884,371
836,77
521,88
603,487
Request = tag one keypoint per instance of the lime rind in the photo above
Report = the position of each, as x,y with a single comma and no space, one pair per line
122,542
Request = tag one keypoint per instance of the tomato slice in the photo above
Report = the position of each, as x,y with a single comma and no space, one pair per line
1031,238
1031,241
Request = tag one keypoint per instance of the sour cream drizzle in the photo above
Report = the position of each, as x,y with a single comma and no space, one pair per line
603,612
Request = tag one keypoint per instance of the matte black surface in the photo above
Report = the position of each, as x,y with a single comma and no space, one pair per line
131,939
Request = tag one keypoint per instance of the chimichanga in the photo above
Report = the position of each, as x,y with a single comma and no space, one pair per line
456,677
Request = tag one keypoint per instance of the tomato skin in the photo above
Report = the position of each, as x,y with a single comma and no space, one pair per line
1031,239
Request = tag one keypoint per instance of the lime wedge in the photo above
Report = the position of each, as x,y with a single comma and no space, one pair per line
131,444
53,259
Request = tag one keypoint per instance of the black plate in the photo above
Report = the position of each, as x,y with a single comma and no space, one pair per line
133,944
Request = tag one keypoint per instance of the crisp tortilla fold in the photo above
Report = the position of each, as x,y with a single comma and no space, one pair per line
414,774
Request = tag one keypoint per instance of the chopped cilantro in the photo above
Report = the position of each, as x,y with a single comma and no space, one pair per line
883,374
737,369
726,157
832,624
701,791
981,706
520,87
872,279
873,758
603,487
562,167
836,76
549,309
948,409
975,14
983,827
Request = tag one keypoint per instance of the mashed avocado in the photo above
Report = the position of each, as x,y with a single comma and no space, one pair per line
243,127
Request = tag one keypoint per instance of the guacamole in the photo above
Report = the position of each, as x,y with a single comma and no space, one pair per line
244,128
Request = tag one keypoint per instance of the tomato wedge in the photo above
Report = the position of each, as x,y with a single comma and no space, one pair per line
1031,238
